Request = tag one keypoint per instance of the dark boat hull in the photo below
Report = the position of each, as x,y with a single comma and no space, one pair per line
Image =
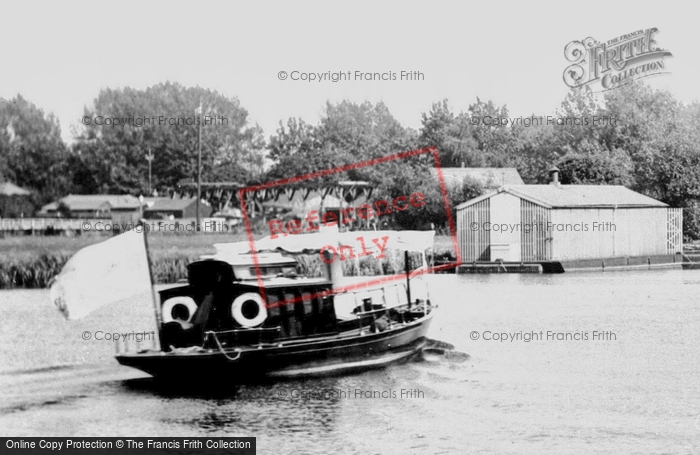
290,359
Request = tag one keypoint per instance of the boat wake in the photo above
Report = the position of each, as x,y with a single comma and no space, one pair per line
436,350
57,384
37,370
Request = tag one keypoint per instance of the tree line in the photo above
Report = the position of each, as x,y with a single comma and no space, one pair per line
635,136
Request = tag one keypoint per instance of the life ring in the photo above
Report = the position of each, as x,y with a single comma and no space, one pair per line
245,313
171,303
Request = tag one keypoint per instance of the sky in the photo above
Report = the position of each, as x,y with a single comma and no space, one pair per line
59,55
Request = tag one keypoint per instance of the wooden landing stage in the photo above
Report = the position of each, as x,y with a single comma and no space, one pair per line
611,264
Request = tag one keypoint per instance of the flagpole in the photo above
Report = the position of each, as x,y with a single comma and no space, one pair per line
149,157
156,307
199,163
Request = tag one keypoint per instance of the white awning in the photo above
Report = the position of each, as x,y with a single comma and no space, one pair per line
358,240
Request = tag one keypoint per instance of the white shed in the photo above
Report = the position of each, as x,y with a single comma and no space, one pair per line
566,222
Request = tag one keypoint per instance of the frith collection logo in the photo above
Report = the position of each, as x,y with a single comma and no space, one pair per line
608,65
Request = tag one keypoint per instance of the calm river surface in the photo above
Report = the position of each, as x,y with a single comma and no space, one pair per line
638,393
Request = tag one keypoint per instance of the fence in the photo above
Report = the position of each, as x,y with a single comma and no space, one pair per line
49,225
44,224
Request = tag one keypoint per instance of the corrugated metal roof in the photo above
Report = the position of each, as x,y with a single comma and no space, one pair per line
488,177
98,201
562,196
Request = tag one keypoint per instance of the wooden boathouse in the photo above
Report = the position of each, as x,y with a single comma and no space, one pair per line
577,226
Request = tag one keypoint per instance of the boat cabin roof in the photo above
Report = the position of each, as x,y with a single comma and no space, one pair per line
284,282
238,259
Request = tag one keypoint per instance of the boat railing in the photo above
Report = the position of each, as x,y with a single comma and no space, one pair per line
385,307
249,335
212,334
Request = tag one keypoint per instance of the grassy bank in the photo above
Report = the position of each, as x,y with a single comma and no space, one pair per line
32,261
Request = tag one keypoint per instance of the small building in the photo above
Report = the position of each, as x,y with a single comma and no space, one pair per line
489,178
15,202
163,208
118,208
530,223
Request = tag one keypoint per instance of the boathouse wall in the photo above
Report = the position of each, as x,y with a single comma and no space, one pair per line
608,232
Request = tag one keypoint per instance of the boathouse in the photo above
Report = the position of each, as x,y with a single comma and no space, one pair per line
573,224
15,202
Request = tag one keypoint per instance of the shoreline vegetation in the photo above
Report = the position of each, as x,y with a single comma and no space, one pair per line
31,262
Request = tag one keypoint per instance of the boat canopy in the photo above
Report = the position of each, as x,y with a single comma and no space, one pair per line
236,254
375,241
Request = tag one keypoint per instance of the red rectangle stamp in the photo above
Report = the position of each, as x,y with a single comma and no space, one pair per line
347,224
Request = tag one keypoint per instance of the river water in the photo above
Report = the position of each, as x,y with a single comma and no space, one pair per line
634,389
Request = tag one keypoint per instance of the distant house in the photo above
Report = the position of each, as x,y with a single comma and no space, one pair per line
116,207
163,208
488,177
49,210
14,201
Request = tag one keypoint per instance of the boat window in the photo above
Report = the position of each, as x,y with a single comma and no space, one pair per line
377,297
308,303
273,311
290,312
344,306
419,288
401,292
271,271
392,296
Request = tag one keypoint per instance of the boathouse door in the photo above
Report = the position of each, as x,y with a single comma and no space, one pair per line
535,234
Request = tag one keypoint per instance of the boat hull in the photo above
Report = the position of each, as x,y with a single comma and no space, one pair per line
291,359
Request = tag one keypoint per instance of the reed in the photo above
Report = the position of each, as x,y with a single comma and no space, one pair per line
37,273
34,273
28,264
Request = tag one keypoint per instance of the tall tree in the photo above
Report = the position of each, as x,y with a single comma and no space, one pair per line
365,130
347,133
297,137
452,135
612,168
476,138
493,137
162,119
32,153
648,127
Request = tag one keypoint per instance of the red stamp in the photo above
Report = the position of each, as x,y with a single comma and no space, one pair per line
309,230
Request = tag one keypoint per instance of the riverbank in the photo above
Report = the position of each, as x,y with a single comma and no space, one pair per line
30,262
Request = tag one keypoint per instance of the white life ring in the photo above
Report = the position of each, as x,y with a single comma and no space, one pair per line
168,305
237,310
